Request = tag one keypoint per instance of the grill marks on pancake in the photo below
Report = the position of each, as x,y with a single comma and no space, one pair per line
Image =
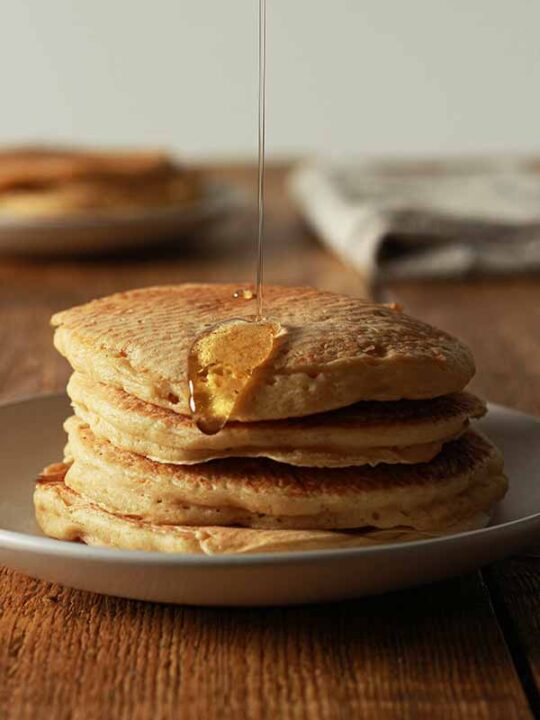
366,414
67,515
323,327
464,455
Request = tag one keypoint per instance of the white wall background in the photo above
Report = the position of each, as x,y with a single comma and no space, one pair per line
345,76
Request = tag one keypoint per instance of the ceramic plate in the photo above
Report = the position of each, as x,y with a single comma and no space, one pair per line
31,436
113,231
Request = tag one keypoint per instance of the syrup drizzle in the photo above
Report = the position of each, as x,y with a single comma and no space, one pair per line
222,360
262,138
244,294
221,366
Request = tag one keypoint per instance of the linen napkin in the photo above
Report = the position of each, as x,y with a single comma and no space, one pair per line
405,219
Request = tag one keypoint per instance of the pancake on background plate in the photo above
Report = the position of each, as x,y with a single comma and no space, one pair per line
354,429
42,181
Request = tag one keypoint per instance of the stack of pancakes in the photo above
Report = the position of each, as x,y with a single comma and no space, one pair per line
53,181
355,430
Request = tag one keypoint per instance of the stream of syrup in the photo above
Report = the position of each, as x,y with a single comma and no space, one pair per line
222,360
262,139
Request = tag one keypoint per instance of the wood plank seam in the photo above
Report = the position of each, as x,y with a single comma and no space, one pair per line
512,640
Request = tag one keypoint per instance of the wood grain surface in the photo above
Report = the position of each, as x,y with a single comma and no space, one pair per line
466,648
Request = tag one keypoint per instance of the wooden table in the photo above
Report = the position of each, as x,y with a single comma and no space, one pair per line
466,648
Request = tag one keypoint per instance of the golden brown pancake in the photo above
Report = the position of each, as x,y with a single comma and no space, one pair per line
465,479
36,166
336,350
58,181
403,431
66,515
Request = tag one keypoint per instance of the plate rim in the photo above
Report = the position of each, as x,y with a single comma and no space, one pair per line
14,540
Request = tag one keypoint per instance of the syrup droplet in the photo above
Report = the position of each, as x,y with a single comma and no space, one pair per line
244,294
221,366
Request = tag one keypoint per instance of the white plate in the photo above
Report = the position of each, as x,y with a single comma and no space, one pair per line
113,231
31,436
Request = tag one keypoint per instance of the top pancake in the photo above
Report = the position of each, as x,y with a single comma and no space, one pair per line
336,350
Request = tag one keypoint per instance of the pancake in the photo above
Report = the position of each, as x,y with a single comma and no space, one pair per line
64,514
39,166
464,479
41,181
335,351
104,197
405,431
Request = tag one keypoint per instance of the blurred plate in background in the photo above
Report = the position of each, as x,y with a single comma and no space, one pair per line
114,230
